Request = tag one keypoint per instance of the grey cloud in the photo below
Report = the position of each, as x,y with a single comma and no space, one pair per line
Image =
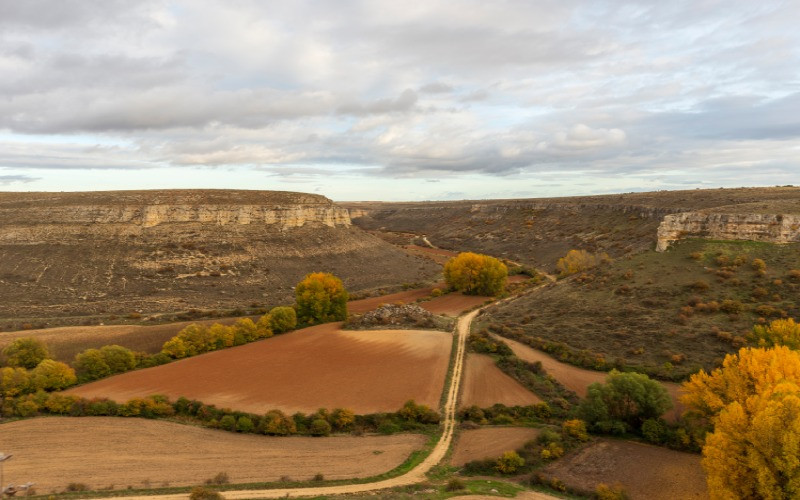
11,179
402,103
436,88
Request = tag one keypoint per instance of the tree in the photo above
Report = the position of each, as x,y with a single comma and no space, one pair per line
52,375
476,274
283,319
753,405
321,298
320,427
579,260
779,332
119,359
625,398
91,365
14,381
26,352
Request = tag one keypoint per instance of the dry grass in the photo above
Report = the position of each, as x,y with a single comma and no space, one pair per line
489,442
485,384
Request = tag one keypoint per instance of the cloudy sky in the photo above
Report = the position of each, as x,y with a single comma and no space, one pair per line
399,100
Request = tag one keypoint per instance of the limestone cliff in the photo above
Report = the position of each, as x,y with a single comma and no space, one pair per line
775,228
65,254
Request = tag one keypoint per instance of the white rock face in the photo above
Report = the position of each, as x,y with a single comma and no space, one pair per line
775,228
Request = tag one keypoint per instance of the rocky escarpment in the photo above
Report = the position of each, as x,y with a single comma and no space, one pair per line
774,228
64,254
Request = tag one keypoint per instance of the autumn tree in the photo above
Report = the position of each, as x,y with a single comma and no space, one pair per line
321,298
91,365
52,375
753,405
476,274
579,260
26,352
509,462
283,319
779,332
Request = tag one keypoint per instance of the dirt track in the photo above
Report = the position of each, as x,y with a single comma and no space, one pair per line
52,452
317,367
485,384
579,379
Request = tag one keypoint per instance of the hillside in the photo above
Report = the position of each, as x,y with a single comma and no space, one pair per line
667,313
116,253
539,231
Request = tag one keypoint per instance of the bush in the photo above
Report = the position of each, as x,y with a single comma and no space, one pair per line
202,493
276,423
731,306
320,298
228,423
579,260
778,332
244,424
282,319
220,478
476,274
26,352
436,292
575,428
119,359
320,427
455,484
509,462
613,492
91,365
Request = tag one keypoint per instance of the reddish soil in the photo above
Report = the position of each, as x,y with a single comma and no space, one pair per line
105,451
405,297
579,379
67,341
518,278
485,384
489,442
453,303
317,367
646,472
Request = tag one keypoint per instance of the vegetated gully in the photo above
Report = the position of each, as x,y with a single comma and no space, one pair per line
413,476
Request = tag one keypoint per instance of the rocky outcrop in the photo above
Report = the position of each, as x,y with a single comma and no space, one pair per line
775,228
94,253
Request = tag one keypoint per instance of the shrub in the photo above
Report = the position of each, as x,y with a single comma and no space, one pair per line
552,451
276,423
228,422
26,352
436,292
320,427
613,492
320,298
91,365
318,477
759,265
476,274
731,306
575,428
455,484
220,478
579,260
14,381
654,430
77,487
509,462
202,493
700,286
244,424
282,319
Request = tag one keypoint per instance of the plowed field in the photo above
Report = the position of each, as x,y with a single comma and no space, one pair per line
317,367
489,442
453,304
406,297
647,472
103,451
485,384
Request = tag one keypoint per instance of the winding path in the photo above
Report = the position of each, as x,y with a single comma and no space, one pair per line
416,475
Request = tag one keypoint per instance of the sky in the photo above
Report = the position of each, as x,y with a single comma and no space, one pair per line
399,100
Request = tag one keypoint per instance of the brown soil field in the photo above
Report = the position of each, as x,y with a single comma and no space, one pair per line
579,379
647,472
103,451
318,367
67,341
518,278
485,384
453,303
489,442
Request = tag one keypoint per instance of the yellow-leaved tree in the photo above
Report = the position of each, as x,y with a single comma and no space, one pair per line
320,298
476,274
753,404
579,260
779,332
